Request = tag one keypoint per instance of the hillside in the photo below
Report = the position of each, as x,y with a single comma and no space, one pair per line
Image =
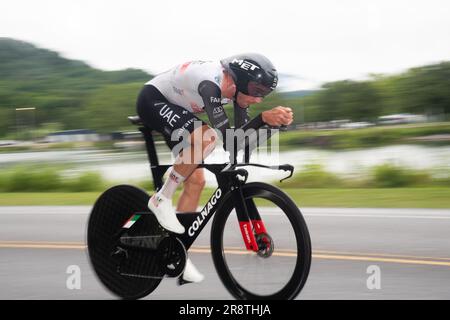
70,94
22,61
56,86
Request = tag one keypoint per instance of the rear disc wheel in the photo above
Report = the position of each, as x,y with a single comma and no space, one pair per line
111,261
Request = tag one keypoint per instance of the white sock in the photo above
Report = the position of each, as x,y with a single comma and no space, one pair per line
171,184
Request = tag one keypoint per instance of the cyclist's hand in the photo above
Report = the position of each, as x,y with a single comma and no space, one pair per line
278,116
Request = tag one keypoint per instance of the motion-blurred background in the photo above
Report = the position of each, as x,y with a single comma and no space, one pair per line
369,82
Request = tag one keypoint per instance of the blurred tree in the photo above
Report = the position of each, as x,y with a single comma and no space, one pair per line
349,100
423,90
426,90
57,87
76,95
107,108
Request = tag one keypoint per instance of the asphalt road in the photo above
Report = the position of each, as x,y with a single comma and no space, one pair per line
411,248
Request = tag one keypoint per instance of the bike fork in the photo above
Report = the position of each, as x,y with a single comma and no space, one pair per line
256,220
250,221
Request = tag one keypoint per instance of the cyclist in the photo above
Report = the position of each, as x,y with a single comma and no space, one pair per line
168,104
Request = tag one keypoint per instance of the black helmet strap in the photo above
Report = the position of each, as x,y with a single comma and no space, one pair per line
236,94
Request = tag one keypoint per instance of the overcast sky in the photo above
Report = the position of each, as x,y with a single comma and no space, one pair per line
314,41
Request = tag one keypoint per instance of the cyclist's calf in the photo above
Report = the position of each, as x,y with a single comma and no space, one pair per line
196,182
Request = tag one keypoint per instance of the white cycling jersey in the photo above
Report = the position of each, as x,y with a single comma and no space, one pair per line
180,85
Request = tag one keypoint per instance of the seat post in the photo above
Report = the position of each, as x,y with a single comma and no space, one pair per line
157,173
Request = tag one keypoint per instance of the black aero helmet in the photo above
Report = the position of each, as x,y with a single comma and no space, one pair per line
253,74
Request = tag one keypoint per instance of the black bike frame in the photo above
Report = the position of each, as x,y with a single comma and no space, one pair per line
195,222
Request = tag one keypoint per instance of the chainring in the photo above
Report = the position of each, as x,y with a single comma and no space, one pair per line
173,256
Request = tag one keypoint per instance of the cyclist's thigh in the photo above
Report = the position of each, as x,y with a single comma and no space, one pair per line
174,122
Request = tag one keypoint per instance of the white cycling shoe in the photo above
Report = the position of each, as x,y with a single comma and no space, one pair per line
165,214
190,274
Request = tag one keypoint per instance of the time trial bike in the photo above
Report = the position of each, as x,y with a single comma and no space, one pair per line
259,240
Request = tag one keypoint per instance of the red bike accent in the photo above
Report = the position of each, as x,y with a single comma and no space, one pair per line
248,236
259,226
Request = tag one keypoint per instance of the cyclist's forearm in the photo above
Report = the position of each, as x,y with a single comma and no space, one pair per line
256,123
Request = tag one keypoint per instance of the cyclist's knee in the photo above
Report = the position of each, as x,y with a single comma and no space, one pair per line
204,137
195,185
196,182
209,141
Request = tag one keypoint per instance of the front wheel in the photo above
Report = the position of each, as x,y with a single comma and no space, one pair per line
280,268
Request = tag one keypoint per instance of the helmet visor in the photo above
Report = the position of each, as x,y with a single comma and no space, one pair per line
257,90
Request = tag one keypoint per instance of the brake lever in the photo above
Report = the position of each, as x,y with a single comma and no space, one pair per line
287,167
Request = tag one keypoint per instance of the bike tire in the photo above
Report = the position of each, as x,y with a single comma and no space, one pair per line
303,262
111,210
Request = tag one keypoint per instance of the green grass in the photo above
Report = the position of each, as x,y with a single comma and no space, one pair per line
48,178
385,175
373,198
363,138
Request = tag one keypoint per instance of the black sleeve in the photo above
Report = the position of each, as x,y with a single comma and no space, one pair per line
212,99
